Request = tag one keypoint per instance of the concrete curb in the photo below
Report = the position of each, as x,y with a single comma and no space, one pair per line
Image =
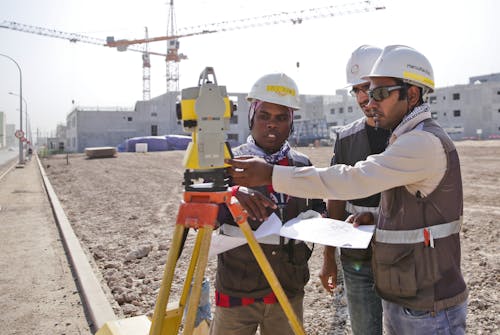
97,306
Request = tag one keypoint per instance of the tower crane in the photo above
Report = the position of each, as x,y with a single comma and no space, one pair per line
74,38
295,17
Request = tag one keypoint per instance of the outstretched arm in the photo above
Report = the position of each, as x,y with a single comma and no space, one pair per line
250,172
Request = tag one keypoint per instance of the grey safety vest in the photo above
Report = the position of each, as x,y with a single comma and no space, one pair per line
416,250
238,273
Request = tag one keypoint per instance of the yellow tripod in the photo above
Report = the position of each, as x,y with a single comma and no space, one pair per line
200,210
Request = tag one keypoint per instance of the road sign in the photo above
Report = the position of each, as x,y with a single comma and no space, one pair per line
19,133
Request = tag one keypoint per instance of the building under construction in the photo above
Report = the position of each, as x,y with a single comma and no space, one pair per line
470,111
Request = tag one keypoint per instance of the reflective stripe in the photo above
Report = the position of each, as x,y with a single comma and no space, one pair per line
234,231
353,209
417,235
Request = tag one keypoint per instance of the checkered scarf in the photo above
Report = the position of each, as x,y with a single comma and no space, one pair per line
253,149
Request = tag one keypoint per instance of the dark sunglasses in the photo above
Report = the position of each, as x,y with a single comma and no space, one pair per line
380,93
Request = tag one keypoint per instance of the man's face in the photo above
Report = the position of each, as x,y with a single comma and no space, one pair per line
271,126
388,112
359,92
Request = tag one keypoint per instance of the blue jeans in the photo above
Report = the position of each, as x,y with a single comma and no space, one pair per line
365,307
402,320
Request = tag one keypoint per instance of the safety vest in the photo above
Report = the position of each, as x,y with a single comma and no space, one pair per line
239,275
416,250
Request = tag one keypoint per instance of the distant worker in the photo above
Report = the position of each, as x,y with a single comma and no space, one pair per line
355,142
244,298
416,247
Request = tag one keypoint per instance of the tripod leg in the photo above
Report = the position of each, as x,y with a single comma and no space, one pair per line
201,265
166,283
271,278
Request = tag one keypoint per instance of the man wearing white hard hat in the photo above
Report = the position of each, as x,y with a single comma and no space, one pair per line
416,247
245,302
355,142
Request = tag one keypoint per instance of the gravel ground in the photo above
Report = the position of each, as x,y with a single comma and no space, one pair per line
123,209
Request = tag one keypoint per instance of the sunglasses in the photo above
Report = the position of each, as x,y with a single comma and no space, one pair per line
380,93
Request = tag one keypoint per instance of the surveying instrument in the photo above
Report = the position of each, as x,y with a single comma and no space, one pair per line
205,111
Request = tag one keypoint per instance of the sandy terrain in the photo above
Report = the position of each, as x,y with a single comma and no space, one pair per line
123,209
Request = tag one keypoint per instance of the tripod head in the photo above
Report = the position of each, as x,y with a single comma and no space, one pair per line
205,111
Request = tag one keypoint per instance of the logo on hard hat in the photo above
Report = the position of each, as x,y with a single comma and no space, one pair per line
280,90
355,69
418,68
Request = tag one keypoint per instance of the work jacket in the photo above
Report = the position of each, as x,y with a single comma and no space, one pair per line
416,250
238,273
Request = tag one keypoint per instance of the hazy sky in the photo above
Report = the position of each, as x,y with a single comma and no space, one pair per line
461,38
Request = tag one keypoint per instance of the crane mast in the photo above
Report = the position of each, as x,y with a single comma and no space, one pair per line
146,70
173,55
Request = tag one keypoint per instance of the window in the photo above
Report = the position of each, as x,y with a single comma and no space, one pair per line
432,100
154,114
233,119
129,119
444,114
341,110
154,130
434,115
498,92
332,111
456,96
233,137
456,113
297,117
349,109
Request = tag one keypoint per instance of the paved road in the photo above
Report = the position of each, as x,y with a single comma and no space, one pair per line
6,155
37,292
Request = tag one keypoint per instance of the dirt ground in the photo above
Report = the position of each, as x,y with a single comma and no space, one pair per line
123,209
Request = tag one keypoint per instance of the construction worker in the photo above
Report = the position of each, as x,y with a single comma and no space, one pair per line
416,247
354,143
244,299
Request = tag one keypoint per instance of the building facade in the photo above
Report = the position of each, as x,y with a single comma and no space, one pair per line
469,111
3,130
465,111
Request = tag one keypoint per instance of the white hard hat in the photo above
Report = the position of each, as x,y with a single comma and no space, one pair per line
276,88
360,64
406,63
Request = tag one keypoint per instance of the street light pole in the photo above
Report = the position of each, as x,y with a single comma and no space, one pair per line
21,158
25,114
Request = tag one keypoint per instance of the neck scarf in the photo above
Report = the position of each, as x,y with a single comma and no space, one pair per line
411,120
254,150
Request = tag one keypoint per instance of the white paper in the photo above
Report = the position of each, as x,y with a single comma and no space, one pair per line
328,232
221,243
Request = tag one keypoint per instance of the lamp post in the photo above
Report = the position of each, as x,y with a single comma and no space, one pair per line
21,158
26,134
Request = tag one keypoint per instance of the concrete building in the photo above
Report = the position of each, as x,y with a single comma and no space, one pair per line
3,130
469,111
465,111
10,131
